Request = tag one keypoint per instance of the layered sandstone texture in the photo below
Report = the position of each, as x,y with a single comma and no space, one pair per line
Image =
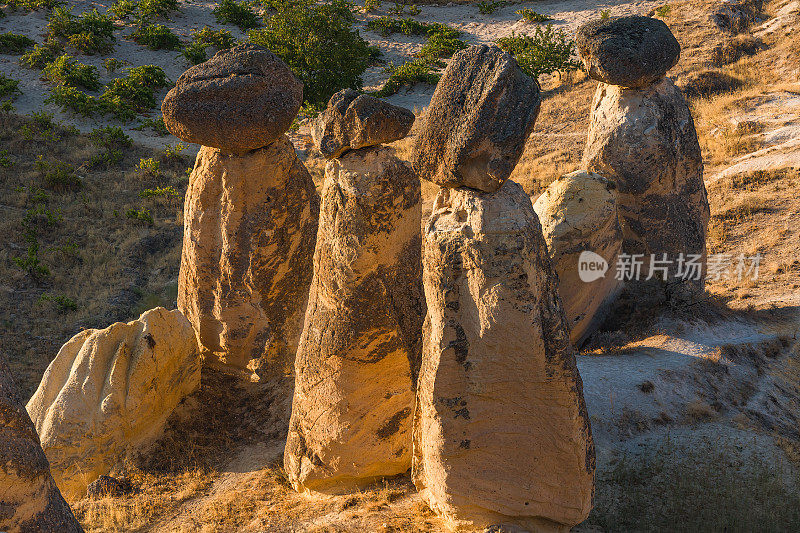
360,348
644,140
250,224
475,128
29,498
631,51
110,391
241,99
578,214
501,433
352,121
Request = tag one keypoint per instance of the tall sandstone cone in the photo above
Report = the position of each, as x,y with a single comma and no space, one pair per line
29,498
356,364
109,392
578,213
250,223
501,433
643,138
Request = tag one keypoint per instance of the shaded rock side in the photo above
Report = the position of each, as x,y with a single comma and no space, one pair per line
110,391
29,498
475,128
353,121
360,349
631,51
501,433
250,223
645,141
578,214
241,99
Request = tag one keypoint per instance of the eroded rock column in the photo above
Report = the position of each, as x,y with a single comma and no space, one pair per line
359,351
643,138
29,498
251,210
578,213
501,433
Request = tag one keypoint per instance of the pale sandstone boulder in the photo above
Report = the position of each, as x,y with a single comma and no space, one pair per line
578,214
353,121
475,128
631,51
250,223
644,140
241,99
356,365
501,433
29,498
110,391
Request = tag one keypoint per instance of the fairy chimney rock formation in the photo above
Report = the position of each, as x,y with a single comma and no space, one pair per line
110,391
30,500
501,431
642,137
480,116
501,434
578,214
359,352
242,99
251,210
352,121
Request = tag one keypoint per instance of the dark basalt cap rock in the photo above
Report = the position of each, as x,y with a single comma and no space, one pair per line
352,121
631,51
241,99
480,116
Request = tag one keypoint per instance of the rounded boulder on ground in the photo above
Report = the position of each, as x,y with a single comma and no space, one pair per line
352,121
240,100
632,51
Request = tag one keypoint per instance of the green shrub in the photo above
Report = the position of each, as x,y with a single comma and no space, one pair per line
90,33
371,5
33,5
387,26
443,43
663,11
157,125
58,176
156,37
529,15
148,167
546,52
124,97
237,13
167,193
5,161
31,264
334,59
63,303
65,70
112,64
42,54
110,137
14,44
141,215
123,9
71,99
9,87
153,9
408,74
605,14
196,51
487,8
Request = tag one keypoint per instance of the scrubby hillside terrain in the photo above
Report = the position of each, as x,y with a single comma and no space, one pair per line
694,404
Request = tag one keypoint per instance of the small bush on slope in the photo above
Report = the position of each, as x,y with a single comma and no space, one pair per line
407,74
195,52
548,51
90,33
156,37
65,70
237,13
11,43
334,59
124,97
42,54
8,87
